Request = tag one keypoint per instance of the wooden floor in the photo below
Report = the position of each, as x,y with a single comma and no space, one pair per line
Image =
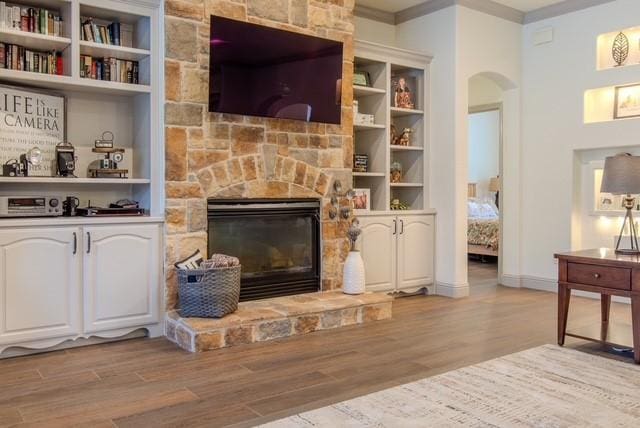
151,383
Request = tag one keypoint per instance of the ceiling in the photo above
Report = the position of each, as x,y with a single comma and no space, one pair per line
398,5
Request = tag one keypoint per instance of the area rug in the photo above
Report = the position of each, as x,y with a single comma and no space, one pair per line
547,386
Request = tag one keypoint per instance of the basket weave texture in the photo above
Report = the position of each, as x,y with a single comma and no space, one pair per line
208,293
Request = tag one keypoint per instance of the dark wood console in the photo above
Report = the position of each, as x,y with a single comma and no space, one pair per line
609,274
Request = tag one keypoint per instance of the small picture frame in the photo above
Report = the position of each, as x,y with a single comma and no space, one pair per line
627,101
361,78
360,162
361,201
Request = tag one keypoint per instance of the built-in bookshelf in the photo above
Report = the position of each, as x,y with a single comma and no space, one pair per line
384,66
618,89
132,112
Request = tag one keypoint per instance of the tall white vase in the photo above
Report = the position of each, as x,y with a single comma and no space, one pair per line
353,274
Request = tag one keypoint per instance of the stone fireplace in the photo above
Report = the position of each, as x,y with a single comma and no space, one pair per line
276,240
222,156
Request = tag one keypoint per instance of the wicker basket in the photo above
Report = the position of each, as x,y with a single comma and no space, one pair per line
208,293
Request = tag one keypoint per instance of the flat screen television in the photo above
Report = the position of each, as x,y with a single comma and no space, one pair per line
262,71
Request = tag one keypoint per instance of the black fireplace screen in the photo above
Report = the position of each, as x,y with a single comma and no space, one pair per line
277,242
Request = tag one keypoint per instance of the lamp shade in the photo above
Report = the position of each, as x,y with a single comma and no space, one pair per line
621,175
494,184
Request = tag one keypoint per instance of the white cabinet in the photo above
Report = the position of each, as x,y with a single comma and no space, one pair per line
415,252
121,276
398,251
378,247
63,283
39,284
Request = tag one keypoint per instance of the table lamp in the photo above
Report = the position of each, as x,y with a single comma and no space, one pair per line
494,186
622,177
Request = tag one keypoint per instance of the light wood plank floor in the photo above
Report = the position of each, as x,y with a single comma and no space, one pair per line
151,383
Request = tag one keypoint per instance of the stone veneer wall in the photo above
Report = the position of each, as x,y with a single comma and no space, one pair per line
221,155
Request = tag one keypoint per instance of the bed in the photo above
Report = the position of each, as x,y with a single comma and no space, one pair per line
483,228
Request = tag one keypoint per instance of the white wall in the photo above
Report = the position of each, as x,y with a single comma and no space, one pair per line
435,34
375,31
484,145
465,43
555,78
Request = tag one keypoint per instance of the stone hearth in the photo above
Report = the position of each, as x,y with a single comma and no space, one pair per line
262,320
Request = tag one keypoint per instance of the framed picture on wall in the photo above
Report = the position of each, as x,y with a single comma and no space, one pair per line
361,78
361,200
32,119
627,101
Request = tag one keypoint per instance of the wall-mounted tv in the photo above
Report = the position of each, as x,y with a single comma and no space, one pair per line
262,71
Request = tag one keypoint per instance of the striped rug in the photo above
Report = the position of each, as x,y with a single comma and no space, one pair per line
547,386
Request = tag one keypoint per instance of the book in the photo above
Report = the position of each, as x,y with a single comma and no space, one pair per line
109,69
19,58
87,28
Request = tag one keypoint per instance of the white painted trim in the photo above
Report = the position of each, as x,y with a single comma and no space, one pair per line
563,8
512,281
485,6
381,53
455,291
374,14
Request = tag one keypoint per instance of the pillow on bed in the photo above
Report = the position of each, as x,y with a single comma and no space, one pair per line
473,209
485,210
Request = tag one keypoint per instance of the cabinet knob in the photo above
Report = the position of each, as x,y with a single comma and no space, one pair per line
596,275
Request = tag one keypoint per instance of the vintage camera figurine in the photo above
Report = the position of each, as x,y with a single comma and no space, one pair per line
13,168
109,165
105,141
65,159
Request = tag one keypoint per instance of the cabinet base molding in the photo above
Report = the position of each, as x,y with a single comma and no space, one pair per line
452,290
59,343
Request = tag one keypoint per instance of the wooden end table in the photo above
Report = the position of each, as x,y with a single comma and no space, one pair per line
609,274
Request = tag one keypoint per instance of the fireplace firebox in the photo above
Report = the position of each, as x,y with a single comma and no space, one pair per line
276,240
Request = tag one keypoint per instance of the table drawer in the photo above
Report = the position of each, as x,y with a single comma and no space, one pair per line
601,276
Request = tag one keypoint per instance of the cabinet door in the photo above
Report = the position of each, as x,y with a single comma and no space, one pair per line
121,276
378,247
415,251
39,284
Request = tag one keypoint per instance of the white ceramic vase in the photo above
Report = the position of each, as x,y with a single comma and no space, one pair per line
353,274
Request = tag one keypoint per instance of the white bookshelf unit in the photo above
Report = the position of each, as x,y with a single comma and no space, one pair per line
71,267
398,247
384,65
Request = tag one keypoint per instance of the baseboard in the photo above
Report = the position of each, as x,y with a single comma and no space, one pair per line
550,285
512,281
452,290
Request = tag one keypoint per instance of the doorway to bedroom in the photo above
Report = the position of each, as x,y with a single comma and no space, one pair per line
484,183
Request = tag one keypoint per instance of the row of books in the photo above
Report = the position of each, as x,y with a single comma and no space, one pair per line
30,19
115,33
110,69
16,57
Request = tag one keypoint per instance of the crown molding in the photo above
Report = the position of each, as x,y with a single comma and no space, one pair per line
485,6
422,9
374,14
562,8
494,9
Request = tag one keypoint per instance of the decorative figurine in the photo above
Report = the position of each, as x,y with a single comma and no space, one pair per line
403,98
405,138
396,172
620,49
396,205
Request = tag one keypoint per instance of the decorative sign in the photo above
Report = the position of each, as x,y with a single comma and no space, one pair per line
31,118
